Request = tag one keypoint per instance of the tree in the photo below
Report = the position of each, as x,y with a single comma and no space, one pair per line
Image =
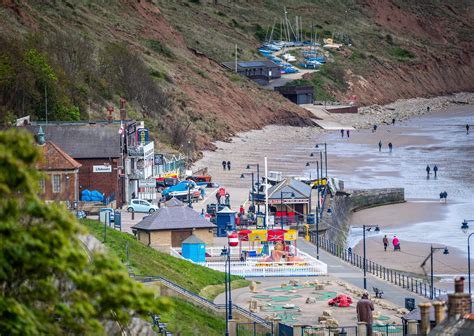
50,283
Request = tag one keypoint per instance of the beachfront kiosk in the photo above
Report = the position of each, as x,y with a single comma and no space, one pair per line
194,249
225,220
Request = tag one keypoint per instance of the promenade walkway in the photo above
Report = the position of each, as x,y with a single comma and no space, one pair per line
354,276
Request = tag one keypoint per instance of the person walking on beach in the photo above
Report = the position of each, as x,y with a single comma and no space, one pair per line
467,129
380,145
374,129
224,164
435,170
228,165
396,243
385,243
428,172
441,196
427,109
218,198
445,196
393,121
364,309
342,133
390,146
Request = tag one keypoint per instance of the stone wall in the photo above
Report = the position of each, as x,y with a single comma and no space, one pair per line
346,202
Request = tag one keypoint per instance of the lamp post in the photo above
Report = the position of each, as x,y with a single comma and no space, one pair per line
317,208
434,249
232,241
258,178
292,194
367,228
321,166
465,227
67,191
242,176
325,156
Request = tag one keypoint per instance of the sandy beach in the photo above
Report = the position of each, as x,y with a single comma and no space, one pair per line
419,139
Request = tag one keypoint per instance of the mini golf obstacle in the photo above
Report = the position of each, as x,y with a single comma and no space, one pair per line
324,296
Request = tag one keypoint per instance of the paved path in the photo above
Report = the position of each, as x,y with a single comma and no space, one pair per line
354,276
324,119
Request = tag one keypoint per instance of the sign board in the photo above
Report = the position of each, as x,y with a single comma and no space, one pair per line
150,183
271,220
291,235
142,136
258,236
159,159
102,169
131,128
288,200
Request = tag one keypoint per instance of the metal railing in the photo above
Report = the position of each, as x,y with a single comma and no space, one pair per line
203,301
377,329
402,279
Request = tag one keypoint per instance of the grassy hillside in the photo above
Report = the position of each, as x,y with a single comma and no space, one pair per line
163,57
147,261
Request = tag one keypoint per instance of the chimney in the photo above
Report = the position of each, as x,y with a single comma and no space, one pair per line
439,311
425,318
458,302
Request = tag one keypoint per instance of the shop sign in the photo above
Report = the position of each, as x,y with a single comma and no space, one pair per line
102,169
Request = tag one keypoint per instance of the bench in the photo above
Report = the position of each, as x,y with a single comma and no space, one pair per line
378,292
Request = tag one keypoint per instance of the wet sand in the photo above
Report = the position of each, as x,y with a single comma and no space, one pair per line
438,138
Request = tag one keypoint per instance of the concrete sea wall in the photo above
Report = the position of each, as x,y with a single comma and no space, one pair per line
343,203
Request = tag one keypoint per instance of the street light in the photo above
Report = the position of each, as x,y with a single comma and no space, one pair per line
242,176
321,160
317,208
465,227
232,241
367,228
292,194
258,178
432,251
325,156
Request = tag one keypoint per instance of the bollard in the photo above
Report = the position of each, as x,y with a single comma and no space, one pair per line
133,214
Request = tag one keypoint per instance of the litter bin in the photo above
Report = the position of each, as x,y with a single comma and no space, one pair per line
310,218
410,303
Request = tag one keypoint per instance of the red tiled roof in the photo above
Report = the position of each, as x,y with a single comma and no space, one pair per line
54,158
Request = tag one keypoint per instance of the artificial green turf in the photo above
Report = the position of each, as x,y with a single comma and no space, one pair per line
146,261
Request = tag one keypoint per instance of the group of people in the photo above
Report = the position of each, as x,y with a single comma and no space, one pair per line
390,146
443,196
428,170
342,133
395,243
226,164
221,195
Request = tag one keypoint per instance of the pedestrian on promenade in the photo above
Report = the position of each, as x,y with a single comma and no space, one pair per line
441,196
467,129
364,309
342,133
385,243
242,210
228,165
390,146
393,121
396,243
227,199
374,129
445,196
347,132
218,198
380,145
435,170
224,164
428,172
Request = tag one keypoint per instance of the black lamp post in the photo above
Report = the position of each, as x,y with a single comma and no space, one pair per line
366,228
320,160
292,194
317,209
242,176
465,227
225,253
258,178
325,156
434,249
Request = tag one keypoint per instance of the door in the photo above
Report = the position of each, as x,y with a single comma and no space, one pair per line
178,236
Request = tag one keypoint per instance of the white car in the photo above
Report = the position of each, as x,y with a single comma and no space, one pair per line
139,205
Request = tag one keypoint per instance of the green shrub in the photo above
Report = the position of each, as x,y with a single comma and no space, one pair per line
160,48
401,53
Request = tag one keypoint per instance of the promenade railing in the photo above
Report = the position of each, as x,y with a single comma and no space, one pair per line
399,278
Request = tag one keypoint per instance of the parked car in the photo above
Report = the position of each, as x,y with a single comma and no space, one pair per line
138,205
111,216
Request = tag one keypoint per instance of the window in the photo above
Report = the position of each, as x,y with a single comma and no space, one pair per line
56,183
42,185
